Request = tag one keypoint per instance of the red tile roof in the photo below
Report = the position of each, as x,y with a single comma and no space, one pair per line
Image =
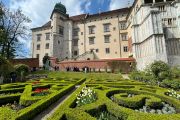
101,60
77,17
46,25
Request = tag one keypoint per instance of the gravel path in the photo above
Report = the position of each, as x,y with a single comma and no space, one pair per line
125,76
50,110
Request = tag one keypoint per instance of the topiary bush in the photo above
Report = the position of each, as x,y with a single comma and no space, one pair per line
22,70
174,83
160,70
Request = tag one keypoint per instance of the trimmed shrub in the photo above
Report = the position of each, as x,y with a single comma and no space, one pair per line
175,84
22,68
134,103
7,113
141,76
160,70
9,98
29,112
26,98
15,90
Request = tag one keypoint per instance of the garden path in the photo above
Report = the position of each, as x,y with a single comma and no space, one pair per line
125,76
50,110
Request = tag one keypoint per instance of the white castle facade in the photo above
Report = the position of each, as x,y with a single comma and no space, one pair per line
147,31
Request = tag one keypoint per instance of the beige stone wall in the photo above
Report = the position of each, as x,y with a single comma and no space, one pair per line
42,44
116,44
61,46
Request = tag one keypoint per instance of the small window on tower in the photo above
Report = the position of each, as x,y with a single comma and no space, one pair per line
38,47
39,37
125,48
37,56
75,53
61,30
75,32
47,45
107,50
97,50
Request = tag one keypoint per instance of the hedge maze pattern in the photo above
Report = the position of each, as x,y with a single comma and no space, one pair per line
23,93
123,99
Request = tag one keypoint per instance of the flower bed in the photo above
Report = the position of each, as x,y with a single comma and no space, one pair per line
41,92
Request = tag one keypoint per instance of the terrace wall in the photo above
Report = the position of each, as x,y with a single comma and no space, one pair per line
95,65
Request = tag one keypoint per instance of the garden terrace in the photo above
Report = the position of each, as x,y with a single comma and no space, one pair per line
114,98
122,100
22,101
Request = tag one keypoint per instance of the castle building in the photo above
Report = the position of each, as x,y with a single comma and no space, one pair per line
148,30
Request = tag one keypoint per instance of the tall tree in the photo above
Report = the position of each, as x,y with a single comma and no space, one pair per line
13,27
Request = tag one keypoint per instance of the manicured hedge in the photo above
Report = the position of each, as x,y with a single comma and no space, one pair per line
62,110
26,98
7,113
134,102
9,86
29,112
154,96
9,98
15,90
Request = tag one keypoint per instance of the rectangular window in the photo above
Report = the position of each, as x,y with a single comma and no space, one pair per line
124,36
75,32
47,45
162,8
61,30
170,21
91,29
38,47
107,27
75,53
39,37
91,40
125,48
107,50
37,56
47,36
107,39
75,42
122,25
97,50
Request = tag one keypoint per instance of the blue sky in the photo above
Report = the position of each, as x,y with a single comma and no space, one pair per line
39,10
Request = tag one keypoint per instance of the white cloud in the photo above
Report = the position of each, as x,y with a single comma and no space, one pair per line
87,6
39,11
117,4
